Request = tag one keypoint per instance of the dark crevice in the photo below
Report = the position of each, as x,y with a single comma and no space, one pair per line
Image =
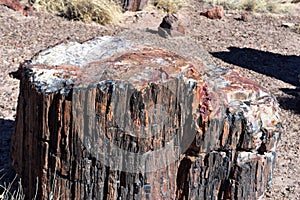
109,96
183,179
244,133
154,92
105,189
53,124
73,174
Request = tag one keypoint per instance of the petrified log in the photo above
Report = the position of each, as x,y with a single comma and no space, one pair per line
110,119
15,5
133,5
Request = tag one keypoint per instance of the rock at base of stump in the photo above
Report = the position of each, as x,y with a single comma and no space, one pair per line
110,119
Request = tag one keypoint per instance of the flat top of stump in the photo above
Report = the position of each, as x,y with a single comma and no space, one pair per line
107,58
115,58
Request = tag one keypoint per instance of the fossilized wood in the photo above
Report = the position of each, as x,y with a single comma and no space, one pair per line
87,113
133,5
15,5
171,26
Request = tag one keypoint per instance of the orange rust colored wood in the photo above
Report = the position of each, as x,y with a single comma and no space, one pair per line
76,122
15,5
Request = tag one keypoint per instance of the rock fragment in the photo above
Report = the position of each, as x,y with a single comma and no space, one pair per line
171,26
214,13
288,24
15,5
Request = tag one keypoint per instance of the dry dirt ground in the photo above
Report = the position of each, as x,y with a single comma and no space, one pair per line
260,49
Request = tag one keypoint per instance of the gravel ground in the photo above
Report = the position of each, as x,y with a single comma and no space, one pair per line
261,49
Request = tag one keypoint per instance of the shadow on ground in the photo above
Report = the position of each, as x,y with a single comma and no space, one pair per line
7,174
292,102
285,68
281,67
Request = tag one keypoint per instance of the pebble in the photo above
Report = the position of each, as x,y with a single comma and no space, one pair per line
288,25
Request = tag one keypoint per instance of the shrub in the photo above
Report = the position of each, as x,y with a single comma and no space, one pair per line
11,192
100,11
297,29
272,6
170,6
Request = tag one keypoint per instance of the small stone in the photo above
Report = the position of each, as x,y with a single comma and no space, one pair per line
245,17
171,26
288,25
214,13
163,32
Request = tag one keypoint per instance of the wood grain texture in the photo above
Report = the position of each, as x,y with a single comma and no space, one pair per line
152,125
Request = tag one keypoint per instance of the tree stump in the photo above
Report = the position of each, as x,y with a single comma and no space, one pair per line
110,119
133,5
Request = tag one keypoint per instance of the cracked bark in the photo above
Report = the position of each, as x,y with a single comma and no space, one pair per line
133,5
84,142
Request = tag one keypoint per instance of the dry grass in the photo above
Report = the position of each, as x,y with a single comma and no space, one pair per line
270,6
170,6
100,11
14,190
10,193
297,29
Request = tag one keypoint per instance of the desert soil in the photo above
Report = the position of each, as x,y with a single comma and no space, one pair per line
260,49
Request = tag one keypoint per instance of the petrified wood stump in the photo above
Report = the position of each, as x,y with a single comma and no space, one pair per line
109,119
133,5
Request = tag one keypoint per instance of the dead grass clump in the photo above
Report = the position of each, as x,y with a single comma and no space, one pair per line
100,11
297,29
270,6
8,193
170,6
263,6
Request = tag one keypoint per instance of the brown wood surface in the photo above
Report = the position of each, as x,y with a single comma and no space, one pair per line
133,5
54,147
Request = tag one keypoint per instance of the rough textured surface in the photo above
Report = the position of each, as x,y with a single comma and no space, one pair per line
214,13
133,5
21,37
191,130
15,5
171,26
